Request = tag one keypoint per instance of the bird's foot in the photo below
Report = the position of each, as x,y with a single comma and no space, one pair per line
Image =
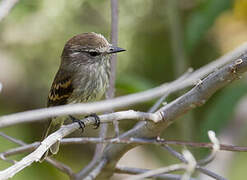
81,123
97,120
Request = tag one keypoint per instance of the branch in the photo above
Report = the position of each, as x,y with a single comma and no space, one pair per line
5,8
26,147
110,91
133,141
204,161
114,41
195,97
64,131
120,102
163,170
128,170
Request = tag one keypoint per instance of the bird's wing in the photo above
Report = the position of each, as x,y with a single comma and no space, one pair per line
61,90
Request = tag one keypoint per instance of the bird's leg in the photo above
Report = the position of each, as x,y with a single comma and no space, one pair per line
81,123
97,120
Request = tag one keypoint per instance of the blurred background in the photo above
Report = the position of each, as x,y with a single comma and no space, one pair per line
163,39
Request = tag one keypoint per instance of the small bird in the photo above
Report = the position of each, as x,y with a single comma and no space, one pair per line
83,76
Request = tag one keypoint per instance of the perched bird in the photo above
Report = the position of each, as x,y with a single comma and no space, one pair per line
83,75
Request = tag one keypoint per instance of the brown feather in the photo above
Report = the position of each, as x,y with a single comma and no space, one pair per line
61,90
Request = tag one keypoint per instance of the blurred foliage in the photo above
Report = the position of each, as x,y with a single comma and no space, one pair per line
221,112
34,33
202,19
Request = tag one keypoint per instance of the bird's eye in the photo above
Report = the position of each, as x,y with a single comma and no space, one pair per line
94,53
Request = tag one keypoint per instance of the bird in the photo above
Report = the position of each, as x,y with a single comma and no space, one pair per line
83,76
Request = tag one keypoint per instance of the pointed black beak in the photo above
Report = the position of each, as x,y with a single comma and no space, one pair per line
115,50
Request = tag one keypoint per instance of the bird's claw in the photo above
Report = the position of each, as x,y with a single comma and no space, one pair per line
97,120
81,123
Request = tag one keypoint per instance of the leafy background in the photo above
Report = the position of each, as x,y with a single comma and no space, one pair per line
163,39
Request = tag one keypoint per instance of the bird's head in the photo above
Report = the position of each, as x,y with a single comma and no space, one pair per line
88,48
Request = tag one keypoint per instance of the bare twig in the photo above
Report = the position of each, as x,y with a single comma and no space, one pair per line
111,90
203,161
191,164
162,98
114,41
60,166
133,141
155,172
128,170
93,174
97,153
58,135
210,173
5,8
123,101
216,148
16,141
174,153
29,147
21,149
197,96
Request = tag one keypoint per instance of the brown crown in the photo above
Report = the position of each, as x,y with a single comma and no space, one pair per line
89,40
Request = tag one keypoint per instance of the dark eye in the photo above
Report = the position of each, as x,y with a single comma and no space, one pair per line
94,53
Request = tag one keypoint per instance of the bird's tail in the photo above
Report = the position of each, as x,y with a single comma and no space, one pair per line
53,126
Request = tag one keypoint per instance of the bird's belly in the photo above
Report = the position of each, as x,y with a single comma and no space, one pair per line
90,91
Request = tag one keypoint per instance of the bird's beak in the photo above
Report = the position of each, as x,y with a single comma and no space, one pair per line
115,50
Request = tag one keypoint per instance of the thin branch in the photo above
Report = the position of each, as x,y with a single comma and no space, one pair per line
176,154
198,167
93,174
210,173
128,170
97,153
196,96
191,164
60,166
151,173
162,98
114,41
16,141
133,141
201,162
19,150
120,102
5,8
107,118
29,147
216,148
111,90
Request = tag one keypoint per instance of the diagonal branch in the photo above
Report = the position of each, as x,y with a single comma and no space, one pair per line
24,147
197,96
120,102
